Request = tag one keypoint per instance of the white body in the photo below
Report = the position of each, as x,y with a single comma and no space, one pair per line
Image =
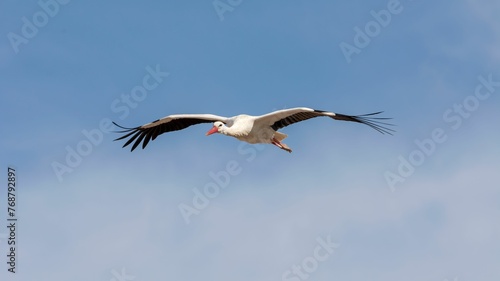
248,129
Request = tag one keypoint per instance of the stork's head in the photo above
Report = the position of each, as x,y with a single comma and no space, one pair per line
217,128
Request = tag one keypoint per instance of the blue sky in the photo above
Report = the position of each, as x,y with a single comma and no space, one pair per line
114,215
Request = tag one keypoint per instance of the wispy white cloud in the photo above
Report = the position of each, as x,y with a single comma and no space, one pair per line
429,228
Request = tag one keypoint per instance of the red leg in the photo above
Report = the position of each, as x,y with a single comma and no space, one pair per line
280,145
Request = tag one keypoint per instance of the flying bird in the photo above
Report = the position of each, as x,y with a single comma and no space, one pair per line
251,129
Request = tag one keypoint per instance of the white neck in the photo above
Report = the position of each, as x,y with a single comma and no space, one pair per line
225,130
233,131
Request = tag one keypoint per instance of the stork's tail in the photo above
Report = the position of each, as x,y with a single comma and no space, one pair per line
280,136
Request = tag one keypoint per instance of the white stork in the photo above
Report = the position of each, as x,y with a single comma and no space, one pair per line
251,129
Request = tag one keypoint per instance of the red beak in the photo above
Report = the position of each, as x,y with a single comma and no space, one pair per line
212,131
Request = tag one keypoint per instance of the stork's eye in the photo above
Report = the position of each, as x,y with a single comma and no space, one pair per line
220,125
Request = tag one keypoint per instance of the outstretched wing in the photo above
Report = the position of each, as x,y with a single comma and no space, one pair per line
170,123
282,118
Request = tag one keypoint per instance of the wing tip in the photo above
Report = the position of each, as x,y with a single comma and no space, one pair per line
135,134
125,129
367,119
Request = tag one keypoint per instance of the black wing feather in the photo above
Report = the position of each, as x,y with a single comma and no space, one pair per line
373,122
367,119
144,135
294,118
